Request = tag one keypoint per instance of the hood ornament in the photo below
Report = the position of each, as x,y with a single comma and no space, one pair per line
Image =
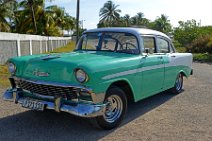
41,74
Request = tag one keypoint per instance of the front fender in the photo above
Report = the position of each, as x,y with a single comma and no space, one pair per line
105,85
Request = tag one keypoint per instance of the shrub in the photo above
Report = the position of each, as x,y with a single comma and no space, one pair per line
180,49
177,43
203,44
204,57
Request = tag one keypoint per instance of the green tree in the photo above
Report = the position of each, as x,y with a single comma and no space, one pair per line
29,16
6,13
49,21
162,24
109,13
69,23
127,20
59,18
186,32
139,18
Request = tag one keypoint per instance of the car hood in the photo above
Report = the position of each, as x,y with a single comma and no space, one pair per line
60,67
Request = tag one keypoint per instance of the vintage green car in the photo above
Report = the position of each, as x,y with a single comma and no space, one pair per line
109,68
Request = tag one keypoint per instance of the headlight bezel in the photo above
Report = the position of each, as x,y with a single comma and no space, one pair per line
11,67
81,76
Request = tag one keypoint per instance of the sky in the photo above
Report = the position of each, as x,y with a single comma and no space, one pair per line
180,10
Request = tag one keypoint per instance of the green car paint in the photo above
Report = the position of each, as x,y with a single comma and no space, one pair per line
99,65
145,73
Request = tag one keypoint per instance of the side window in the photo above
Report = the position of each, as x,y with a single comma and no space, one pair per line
90,42
149,44
163,45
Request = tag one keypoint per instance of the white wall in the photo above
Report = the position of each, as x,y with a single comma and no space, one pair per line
12,44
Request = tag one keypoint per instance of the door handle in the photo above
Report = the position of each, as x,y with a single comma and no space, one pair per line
173,56
160,57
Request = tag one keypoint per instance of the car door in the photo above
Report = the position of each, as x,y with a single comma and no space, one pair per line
166,50
152,68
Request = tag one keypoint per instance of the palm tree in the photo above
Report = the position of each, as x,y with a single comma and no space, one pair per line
58,14
31,6
139,18
127,20
109,13
17,16
56,17
145,22
69,23
163,24
134,20
27,13
32,11
5,14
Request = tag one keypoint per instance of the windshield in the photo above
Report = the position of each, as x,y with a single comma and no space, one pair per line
115,42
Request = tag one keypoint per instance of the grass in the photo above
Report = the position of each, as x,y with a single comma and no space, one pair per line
4,82
4,74
68,48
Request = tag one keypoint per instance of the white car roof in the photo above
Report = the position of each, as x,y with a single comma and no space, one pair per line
135,31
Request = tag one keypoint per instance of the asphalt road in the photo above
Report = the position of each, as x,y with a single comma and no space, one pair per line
163,117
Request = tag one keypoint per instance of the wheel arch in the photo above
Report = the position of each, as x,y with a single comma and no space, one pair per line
126,87
183,73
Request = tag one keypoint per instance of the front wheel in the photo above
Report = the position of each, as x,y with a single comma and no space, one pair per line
178,84
116,107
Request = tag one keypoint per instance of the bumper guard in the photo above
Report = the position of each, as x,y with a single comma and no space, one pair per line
80,109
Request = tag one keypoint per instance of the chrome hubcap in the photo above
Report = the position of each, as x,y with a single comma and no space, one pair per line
179,82
114,108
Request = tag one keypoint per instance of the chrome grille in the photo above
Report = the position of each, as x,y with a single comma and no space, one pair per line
47,90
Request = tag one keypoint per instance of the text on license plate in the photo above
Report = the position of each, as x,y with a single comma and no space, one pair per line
35,105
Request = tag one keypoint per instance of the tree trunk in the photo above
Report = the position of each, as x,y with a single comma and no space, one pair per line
30,3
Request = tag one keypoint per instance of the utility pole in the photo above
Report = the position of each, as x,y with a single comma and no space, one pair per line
77,18
81,23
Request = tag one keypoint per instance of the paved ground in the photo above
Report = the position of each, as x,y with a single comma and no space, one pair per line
164,117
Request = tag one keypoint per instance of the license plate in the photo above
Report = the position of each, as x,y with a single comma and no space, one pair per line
34,105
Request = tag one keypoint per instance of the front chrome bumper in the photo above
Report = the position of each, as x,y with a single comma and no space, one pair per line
80,109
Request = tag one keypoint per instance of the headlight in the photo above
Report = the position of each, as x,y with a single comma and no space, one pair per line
11,68
81,76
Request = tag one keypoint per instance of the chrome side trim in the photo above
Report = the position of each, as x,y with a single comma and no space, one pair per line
81,109
133,71
138,70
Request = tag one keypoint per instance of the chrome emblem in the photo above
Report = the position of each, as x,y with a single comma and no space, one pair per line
41,74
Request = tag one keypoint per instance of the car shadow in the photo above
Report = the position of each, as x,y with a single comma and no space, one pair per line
49,125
